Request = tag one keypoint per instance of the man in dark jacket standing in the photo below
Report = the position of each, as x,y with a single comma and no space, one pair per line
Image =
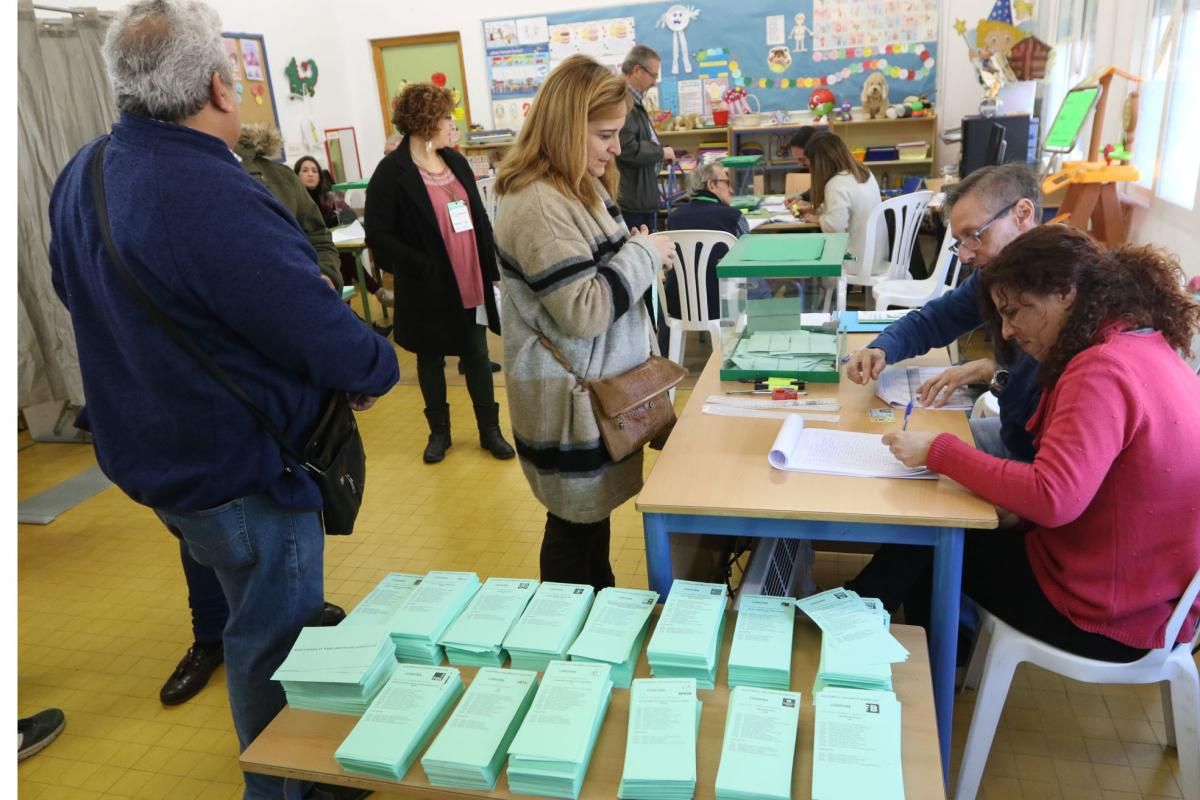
164,429
641,153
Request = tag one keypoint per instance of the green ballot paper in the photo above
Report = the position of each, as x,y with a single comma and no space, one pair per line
427,613
660,744
550,754
759,746
761,654
856,745
549,625
378,607
687,638
470,750
615,630
474,638
401,721
337,670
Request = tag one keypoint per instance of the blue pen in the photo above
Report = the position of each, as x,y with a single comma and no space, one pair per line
907,414
846,358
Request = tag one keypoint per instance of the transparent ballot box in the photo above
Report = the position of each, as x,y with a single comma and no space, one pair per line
781,301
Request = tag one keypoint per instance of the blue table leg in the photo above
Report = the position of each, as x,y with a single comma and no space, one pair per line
943,644
658,553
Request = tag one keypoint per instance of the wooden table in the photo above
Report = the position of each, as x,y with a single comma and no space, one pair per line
357,247
300,744
713,478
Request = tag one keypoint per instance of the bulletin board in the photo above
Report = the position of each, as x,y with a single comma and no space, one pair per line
432,58
780,52
252,80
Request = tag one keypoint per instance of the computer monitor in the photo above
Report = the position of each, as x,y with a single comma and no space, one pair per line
997,146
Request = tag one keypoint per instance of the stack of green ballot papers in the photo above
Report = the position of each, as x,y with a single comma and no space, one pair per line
474,638
852,628
759,745
615,630
378,607
470,751
551,752
339,669
660,744
854,672
401,721
792,349
426,614
549,625
687,639
856,746
761,654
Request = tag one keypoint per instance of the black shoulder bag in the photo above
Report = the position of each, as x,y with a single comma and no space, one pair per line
333,455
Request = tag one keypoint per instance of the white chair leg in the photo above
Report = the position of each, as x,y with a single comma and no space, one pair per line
978,654
997,676
953,349
1164,689
1185,711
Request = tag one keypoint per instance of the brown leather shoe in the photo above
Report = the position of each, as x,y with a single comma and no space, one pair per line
193,672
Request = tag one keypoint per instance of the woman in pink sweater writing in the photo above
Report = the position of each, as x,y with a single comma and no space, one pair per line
1112,499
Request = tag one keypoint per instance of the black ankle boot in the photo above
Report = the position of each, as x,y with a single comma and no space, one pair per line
490,438
439,434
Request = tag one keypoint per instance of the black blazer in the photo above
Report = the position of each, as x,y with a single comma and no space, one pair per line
403,234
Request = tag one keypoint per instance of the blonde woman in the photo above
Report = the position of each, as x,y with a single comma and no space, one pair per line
573,273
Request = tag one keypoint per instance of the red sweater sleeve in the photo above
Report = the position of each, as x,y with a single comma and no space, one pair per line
1088,419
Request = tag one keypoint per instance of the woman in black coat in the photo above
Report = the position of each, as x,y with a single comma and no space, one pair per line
426,224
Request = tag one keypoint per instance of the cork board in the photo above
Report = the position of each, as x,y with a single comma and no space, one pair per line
252,79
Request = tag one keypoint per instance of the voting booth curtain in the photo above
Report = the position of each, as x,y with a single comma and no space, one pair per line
63,102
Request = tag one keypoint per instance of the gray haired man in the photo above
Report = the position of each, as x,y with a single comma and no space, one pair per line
641,153
227,262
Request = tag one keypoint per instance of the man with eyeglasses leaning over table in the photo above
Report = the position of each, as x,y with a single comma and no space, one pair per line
987,210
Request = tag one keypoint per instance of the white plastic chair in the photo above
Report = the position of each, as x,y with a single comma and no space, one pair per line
693,249
487,193
908,210
1000,649
908,293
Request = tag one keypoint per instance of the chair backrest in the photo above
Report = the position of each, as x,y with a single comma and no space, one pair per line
1175,622
907,211
947,264
487,193
797,183
693,250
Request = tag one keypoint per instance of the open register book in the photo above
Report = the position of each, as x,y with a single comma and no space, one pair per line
861,455
898,385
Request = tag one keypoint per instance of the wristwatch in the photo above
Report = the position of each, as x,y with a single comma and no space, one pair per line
999,380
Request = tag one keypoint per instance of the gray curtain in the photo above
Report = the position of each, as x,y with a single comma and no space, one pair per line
63,102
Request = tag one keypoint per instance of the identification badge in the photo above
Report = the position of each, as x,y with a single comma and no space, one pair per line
460,216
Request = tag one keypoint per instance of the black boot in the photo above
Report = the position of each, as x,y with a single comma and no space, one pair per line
439,434
490,438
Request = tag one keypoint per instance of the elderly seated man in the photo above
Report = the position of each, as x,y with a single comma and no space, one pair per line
707,210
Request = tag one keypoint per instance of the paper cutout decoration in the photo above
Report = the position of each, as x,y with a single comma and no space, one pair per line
676,19
997,33
302,78
239,88
438,79
799,32
779,59
1029,59
258,90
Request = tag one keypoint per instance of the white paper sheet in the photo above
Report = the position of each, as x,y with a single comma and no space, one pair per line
863,455
898,385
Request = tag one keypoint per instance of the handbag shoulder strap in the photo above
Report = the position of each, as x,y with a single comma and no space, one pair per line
561,359
162,319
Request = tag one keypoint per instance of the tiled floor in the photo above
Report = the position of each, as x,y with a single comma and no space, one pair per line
103,619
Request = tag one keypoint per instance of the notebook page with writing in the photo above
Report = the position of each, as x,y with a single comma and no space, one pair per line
861,455
898,385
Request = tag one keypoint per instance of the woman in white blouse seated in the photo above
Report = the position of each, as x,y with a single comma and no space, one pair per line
844,193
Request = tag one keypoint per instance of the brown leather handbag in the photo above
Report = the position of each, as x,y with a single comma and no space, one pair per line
634,408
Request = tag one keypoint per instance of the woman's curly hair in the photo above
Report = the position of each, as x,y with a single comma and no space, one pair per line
1137,284
419,108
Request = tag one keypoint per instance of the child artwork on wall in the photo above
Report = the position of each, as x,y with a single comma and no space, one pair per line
799,32
252,59
676,19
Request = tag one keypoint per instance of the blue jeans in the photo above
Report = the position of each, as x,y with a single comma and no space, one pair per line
986,431
270,565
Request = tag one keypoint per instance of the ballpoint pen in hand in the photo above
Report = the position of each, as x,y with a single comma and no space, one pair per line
907,414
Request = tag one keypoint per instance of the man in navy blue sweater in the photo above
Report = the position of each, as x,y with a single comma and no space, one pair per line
222,257
987,210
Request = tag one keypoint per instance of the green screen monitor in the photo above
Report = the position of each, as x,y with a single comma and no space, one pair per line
1072,115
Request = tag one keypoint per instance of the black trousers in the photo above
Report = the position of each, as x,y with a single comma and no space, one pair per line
997,575
576,552
477,367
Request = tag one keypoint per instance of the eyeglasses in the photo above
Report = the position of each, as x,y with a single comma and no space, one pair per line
975,240
720,180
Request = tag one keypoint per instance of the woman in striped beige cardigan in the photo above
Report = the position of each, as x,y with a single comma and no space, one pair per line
572,273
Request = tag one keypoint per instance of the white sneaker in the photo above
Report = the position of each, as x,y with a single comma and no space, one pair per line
385,295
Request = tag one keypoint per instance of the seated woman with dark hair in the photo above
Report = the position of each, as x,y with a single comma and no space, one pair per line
336,212
1111,493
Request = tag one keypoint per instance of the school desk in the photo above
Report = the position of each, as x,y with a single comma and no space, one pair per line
300,744
713,478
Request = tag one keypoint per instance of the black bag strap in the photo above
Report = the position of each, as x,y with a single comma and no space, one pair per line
164,321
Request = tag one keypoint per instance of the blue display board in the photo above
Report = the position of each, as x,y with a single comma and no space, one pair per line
779,52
